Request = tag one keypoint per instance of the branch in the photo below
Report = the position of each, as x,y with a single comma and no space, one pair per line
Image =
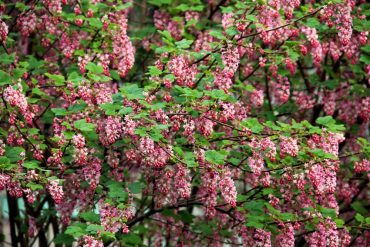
216,9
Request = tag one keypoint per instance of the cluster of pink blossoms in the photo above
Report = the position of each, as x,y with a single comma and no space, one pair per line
288,146
183,71
54,6
109,129
3,31
89,241
16,98
362,166
228,189
27,23
123,50
114,218
230,58
55,190
280,90
286,237
80,155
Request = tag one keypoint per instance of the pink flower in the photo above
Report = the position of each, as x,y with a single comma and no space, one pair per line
89,241
3,31
55,191
16,98
288,146
362,166
227,188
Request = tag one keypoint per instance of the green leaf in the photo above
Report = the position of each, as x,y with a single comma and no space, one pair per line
21,6
339,222
366,48
33,164
95,22
124,6
59,112
58,79
205,228
186,217
114,74
217,94
90,217
328,212
132,91
313,22
159,2
110,108
132,238
136,187
167,37
116,190
5,78
365,58
319,153
93,229
14,153
217,34
7,59
367,220
184,44
254,221
215,157
154,71
76,231
257,207
189,159
327,120
182,7
33,186
76,108
107,236
254,125
330,123
93,68
63,238
82,125
251,18
360,218
75,77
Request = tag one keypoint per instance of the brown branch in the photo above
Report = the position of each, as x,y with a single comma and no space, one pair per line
216,9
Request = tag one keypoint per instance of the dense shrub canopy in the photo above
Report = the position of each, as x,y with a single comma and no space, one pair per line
185,122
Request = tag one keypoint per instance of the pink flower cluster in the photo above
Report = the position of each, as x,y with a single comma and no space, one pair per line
123,50
152,154
109,129
16,98
228,189
114,218
230,58
3,31
183,71
89,241
27,23
280,90
362,166
55,190
288,146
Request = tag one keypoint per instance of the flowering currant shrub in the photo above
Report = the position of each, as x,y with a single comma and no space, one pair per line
185,123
